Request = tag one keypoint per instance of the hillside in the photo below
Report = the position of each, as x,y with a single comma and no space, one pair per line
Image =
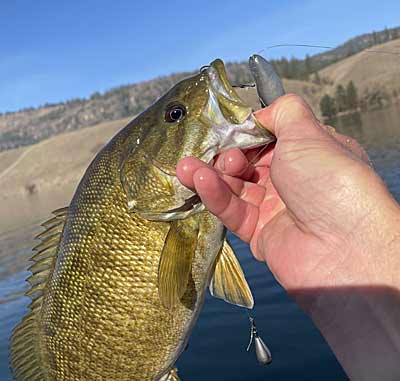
33,125
43,176
368,70
354,46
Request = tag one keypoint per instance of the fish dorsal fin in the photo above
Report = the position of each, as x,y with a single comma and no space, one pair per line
25,355
176,262
229,282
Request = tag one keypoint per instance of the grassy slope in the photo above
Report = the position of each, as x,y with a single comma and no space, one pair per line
47,173
368,69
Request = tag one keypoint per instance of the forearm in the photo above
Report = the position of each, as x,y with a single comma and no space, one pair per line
359,313
362,326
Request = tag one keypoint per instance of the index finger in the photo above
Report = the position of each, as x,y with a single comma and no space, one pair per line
236,214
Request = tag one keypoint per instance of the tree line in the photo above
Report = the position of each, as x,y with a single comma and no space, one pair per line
344,99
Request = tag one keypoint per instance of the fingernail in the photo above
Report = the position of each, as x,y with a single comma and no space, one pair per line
221,162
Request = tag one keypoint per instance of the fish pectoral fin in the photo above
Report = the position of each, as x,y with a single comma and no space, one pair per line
229,282
176,262
172,375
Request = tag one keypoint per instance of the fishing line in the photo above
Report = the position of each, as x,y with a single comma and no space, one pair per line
258,154
392,52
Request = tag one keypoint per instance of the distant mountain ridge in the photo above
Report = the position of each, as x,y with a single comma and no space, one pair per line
29,126
355,45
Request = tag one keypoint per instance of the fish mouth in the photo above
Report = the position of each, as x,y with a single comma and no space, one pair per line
231,105
218,77
232,122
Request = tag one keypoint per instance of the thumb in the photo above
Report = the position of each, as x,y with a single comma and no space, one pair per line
287,115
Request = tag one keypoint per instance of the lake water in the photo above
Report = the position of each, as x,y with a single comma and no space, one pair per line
217,348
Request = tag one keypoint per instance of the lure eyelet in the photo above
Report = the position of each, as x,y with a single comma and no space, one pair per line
203,68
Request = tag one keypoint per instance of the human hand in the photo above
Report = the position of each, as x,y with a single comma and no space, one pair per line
303,205
312,208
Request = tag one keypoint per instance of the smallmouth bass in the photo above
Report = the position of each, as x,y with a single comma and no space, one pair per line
120,276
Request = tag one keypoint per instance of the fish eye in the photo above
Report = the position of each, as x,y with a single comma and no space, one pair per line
175,113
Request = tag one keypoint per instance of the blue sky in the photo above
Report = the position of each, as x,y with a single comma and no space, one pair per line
53,50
